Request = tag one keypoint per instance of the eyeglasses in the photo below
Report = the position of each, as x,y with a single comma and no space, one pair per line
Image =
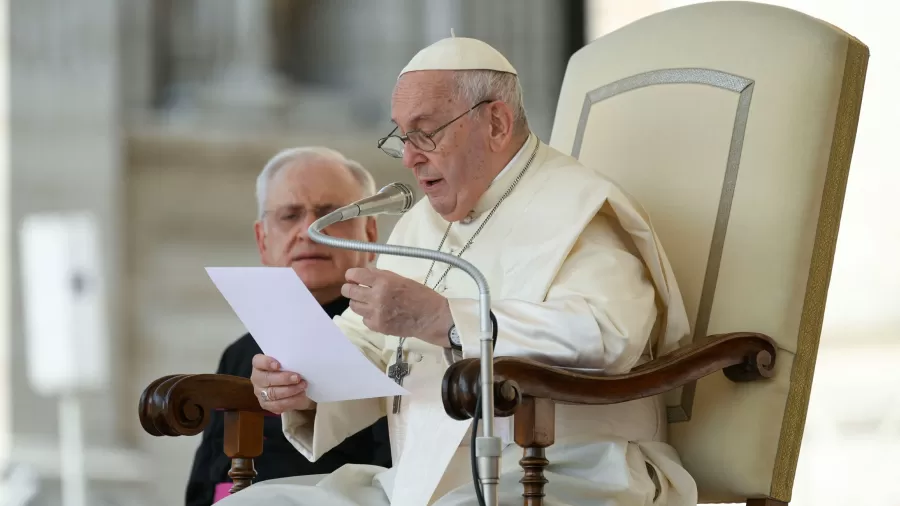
287,217
395,145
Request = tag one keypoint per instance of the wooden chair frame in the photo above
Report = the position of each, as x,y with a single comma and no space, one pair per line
180,405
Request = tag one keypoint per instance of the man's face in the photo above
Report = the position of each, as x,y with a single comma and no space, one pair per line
298,195
451,176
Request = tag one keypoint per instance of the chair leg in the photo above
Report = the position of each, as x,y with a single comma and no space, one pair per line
765,502
534,431
243,442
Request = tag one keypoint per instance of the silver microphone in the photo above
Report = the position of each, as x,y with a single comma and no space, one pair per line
395,198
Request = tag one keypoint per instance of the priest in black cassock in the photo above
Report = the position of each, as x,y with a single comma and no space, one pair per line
295,188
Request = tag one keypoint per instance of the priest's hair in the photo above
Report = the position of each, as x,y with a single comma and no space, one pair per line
473,86
304,155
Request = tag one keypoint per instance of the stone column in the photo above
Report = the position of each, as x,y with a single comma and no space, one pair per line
247,90
137,53
531,34
439,17
359,47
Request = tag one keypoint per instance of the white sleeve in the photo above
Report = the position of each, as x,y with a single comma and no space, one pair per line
598,313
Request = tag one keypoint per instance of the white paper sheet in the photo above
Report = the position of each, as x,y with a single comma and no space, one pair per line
290,326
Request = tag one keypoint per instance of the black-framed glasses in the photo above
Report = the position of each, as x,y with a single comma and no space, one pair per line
394,145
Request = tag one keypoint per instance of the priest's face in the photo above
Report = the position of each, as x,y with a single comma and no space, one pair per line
298,195
453,174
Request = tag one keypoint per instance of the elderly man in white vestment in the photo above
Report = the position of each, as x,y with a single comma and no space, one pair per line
577,279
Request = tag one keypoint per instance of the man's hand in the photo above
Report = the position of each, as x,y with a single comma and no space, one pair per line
278,391
398,306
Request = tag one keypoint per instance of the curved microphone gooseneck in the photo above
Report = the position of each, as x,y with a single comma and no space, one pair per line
397,198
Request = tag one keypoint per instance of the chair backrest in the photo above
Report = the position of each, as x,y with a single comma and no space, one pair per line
733,124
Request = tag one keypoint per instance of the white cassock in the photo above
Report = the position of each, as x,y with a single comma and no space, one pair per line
577,280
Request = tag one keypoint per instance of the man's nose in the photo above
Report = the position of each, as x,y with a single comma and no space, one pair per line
303,225
412,156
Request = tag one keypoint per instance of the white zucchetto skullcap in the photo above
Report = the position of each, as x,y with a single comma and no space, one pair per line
459,53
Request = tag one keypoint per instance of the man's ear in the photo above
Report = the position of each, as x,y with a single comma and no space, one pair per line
372,234
502,125
259,230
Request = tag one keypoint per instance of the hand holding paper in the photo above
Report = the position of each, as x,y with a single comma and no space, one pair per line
290,326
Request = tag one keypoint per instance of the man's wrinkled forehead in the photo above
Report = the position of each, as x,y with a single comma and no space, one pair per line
314,184
422,96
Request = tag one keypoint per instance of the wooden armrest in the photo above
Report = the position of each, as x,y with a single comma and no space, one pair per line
743,356
181,404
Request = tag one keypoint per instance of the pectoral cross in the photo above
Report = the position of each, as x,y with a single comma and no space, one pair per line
397,372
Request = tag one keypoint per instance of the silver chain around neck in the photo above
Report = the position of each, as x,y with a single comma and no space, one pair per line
477,231
483,223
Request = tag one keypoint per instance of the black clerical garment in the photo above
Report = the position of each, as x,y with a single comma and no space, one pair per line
279,459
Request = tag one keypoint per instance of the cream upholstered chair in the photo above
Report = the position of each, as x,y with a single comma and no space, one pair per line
732,123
